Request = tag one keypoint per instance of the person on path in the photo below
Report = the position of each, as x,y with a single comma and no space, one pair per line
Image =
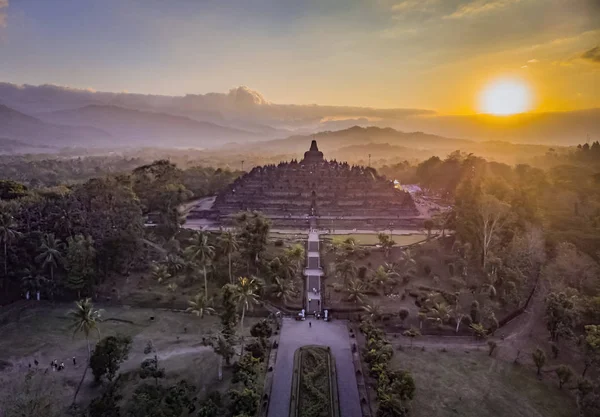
309,324
74,361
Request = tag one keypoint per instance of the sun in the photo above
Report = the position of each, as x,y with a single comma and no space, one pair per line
505,97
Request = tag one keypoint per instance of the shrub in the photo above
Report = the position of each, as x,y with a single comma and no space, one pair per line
257,350
262,329
108,355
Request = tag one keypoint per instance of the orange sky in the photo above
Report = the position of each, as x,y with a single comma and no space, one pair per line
431,54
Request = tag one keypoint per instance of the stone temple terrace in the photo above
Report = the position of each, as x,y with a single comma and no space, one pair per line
315,192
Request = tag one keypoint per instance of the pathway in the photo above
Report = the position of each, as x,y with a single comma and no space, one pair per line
313,273
295,334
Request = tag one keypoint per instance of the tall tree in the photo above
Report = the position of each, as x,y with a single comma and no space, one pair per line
228,245
84,319
8,232
246,297
295,254
253,234
201,251
386,242
50,255
283,289
346,268
81,262
492,215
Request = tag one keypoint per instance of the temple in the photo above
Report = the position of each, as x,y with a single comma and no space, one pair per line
331,194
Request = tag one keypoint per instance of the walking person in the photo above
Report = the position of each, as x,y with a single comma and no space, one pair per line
74,361
310,324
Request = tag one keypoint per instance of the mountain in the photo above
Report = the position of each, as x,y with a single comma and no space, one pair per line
548,128
247,110
384,145
136,127
15,125
358,136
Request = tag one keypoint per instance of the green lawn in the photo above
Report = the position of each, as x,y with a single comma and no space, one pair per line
371,239
474,385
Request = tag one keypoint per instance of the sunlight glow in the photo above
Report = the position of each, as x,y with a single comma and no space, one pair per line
505,97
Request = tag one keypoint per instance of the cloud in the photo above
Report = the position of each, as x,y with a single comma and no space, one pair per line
3,7
480,7
592,54
414,5
240,103
533,61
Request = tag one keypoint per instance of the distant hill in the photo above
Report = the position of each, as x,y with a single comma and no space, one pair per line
383,144
551,128
15,125
356,136
136,127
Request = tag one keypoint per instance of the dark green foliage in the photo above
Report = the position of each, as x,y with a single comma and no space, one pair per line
10,190
315,389
212,406
246,370
243,402
262,329
560,315
395,388
80,262
108,355
253,234
539,359
257,350
564,374
151,369
588,398
158,401
107,405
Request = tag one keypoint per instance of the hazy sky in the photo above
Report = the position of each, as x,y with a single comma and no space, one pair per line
433,54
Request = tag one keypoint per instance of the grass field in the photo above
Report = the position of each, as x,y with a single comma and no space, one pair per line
42,333
371,239
456,383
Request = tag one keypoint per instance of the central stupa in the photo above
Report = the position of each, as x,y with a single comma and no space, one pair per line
313,155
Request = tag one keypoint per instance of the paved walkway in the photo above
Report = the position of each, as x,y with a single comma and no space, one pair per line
295,334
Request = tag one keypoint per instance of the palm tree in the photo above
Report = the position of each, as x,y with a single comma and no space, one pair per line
283,289
50,253
356,291
160,273
84,319
246,297
381,278
32,281
202,252
374,311
439,313
199,305
8,232
174,264
346,268
228,245
287,266
295,254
